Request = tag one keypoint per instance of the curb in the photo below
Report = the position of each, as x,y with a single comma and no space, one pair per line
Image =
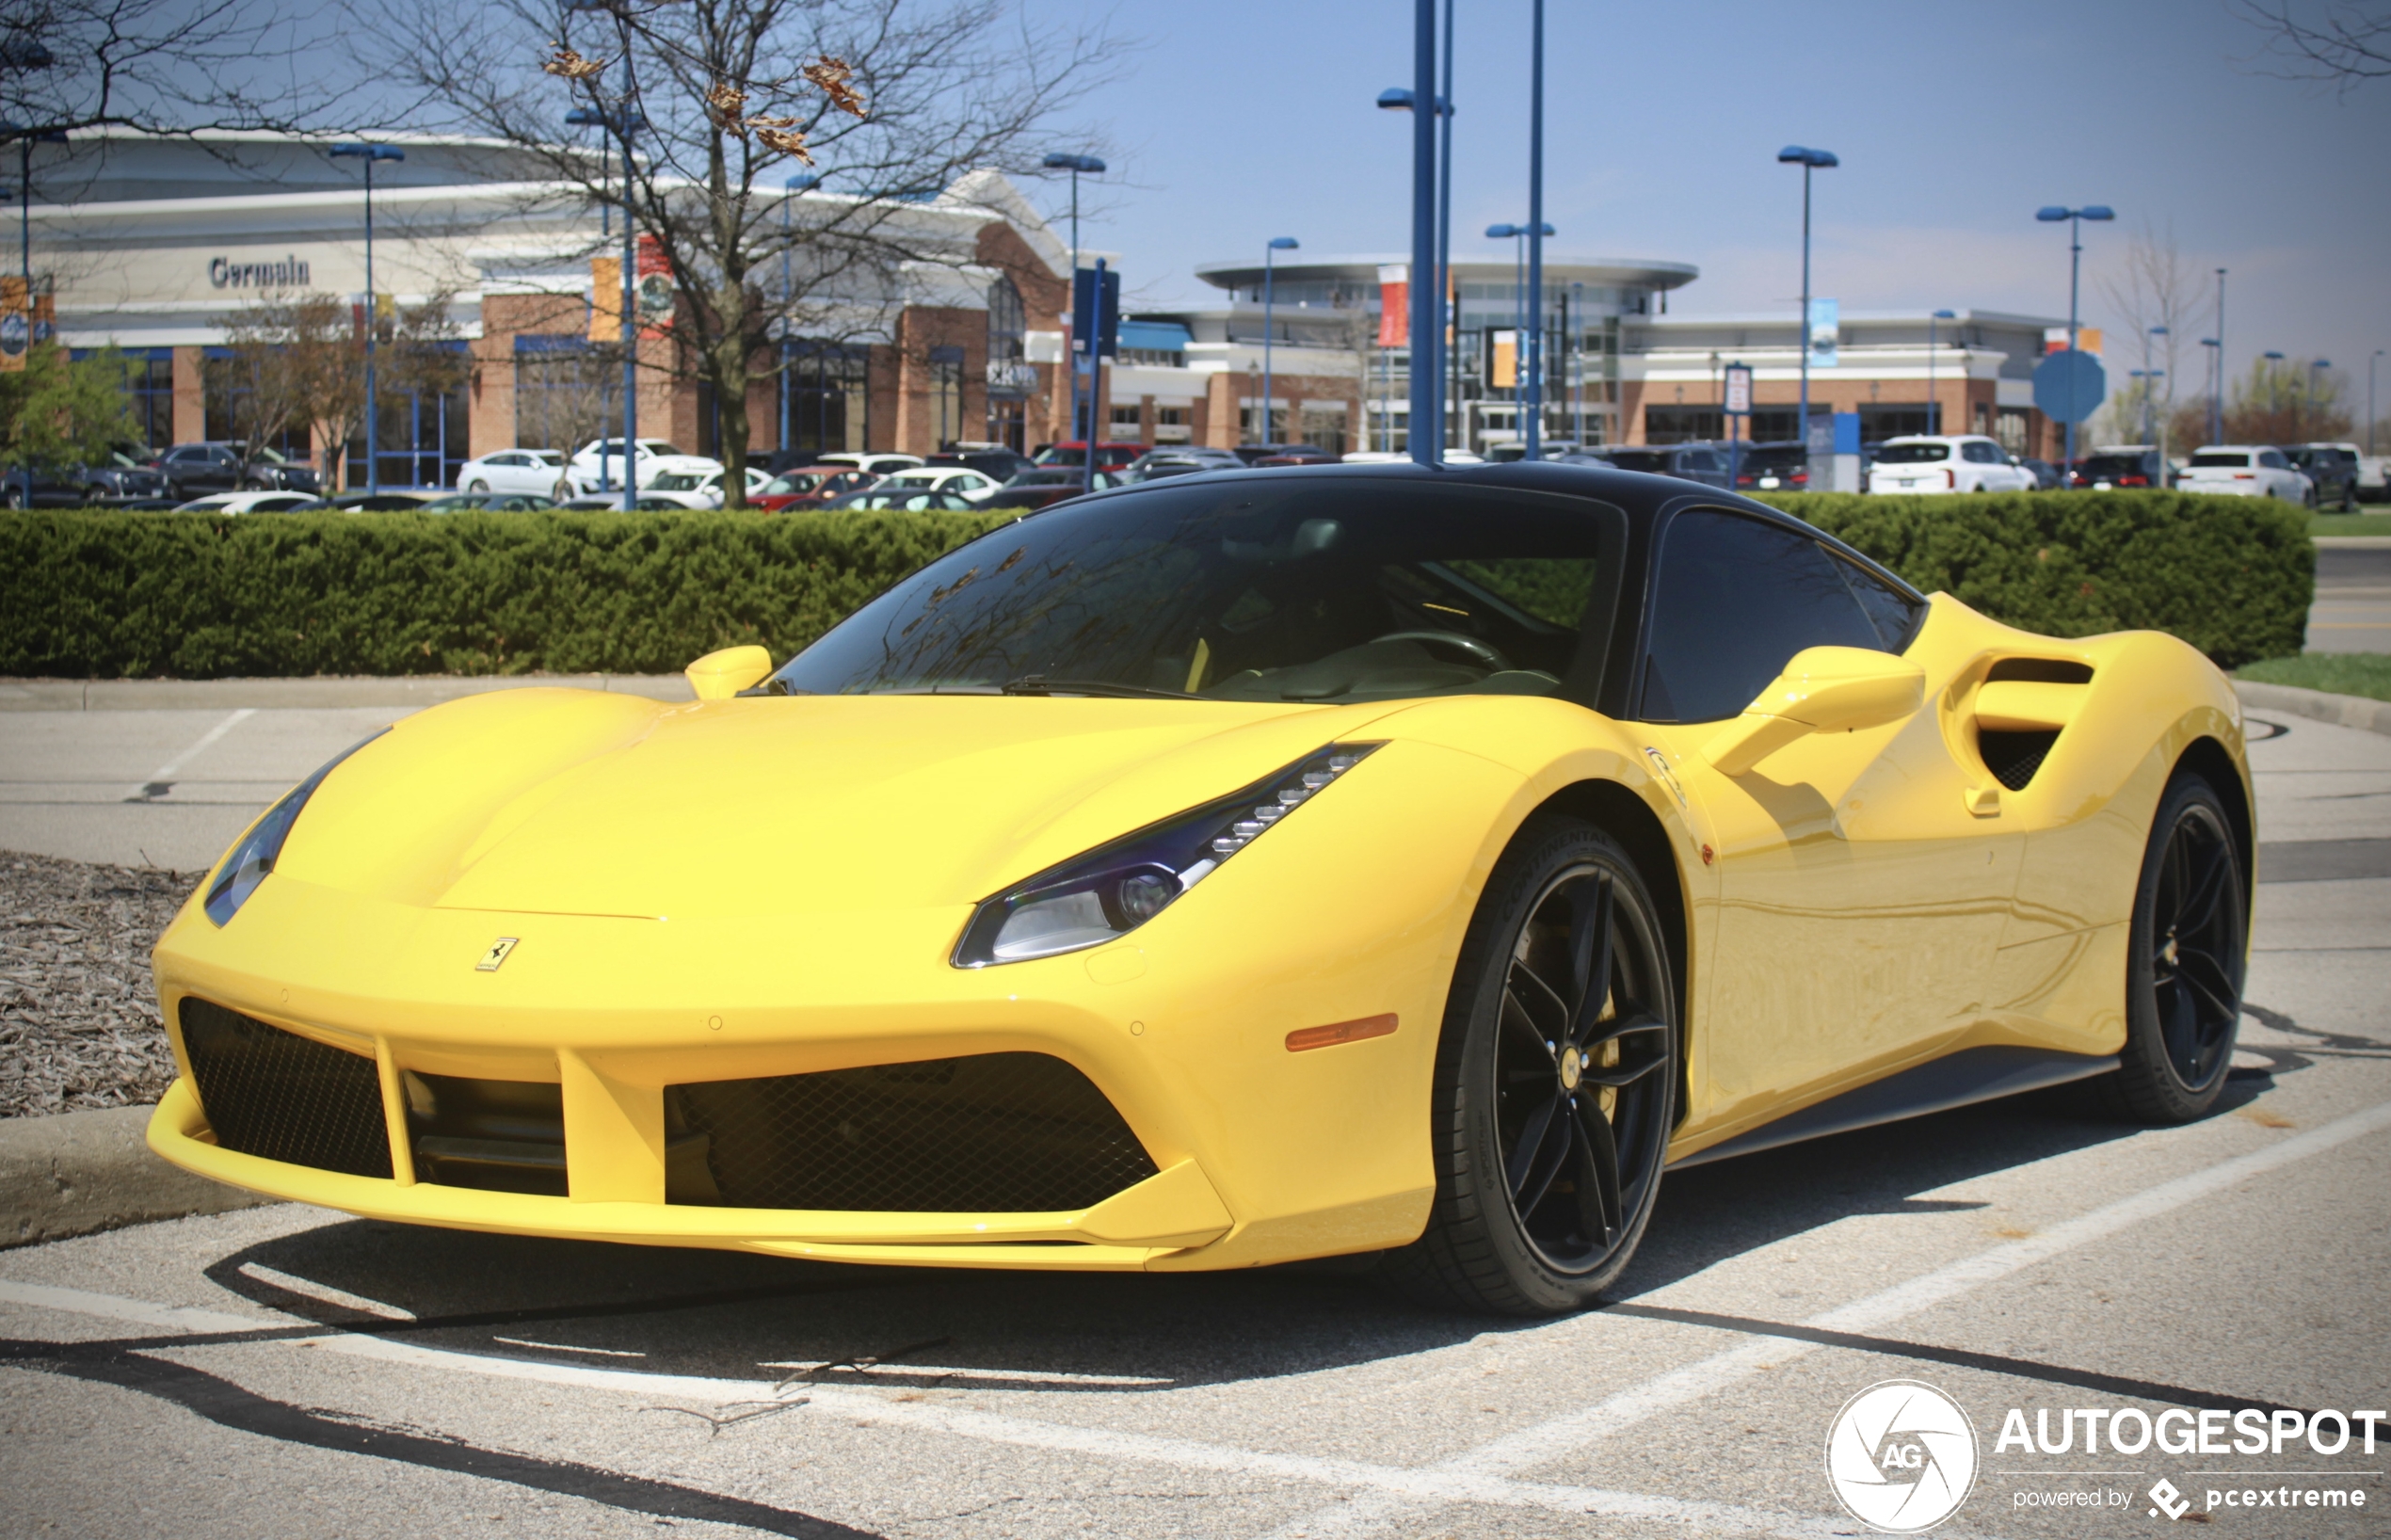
2347,711
76,1173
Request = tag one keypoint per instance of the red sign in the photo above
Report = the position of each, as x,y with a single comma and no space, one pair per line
1394,304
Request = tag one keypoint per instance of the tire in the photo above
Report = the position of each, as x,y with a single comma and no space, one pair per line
2184,962
2309,501
479,487
2348,497
1520,1136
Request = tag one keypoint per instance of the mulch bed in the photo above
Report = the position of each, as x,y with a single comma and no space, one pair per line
79,1025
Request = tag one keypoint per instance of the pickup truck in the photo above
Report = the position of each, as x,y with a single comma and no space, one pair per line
2333,468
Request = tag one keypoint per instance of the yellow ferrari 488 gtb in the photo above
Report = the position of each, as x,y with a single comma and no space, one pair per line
1234,869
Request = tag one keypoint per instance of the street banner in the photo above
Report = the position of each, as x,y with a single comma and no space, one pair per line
45,315
2055,340
655,296
1394,304
1825,328
605,299
15,326
1502,361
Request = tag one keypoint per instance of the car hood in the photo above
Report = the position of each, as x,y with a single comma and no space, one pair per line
577,802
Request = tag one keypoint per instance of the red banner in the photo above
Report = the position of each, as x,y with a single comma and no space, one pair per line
1394,304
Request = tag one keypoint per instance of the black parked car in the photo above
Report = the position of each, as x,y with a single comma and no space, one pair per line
2045,474
223,466
996,465
2334,469
2108,469
1702,462
120,479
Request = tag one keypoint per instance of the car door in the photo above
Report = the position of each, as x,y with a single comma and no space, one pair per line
1861,898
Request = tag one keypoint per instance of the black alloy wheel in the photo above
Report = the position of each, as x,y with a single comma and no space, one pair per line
2184,974
1556,1083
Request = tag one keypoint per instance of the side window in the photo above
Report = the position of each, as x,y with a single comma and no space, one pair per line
1894,614
1735,598
2274,458
1975,453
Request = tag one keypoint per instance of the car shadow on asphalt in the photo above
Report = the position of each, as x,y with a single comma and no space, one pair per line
747,1318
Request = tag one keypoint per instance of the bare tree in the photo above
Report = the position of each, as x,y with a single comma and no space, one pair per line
2156,294
159,66
2342,44
710,109
264,382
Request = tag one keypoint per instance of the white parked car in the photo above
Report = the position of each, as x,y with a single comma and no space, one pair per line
1961,462
879,464
702,488
2240,470
530,471
972,486
254,503
650,458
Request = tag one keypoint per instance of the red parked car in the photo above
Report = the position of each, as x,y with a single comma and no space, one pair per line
1046,484
810,485
1110,456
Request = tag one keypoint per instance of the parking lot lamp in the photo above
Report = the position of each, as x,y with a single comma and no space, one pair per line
2074,219
1076,164
2370,358
1276,244
1575,325
1808,160
1537,229
2314,364
1934,406
2216,374
2216,402
369,153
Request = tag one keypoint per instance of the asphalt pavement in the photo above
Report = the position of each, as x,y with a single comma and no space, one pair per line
288,1370
2352,611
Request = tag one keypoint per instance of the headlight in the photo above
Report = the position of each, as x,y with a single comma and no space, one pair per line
1113,888
246,865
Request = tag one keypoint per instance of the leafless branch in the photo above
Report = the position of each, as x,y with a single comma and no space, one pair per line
2345,43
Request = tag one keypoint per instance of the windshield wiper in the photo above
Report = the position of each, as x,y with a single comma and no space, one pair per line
1040,684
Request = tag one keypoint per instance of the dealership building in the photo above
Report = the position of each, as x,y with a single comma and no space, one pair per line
160,246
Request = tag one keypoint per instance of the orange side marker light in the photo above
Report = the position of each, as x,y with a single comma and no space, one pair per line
1339,1031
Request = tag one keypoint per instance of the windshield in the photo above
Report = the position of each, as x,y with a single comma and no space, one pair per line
1655,461
1913,454
1355,591
2219,461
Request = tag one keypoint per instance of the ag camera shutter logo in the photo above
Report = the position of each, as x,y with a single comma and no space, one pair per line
1901,1456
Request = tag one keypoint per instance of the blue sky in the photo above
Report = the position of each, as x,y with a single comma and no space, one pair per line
1239,120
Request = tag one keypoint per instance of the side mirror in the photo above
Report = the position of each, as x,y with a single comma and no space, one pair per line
1824,689
718,676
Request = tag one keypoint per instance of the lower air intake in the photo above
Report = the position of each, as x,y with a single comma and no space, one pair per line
280,1096
991,1132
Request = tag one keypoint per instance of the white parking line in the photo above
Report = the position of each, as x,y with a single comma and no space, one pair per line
1483,1475
166,773
1565,1435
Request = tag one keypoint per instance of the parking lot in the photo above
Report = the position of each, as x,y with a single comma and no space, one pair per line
287,1370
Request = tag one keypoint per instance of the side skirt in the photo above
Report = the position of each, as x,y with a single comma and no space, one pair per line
1956,1080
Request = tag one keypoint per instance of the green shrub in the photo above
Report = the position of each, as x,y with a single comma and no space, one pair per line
101,593
2233,576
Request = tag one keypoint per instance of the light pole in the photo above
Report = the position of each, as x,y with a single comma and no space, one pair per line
2074,219
2215,368
2217,403
1426,435
789,189
1808,160
2314,364
1444,297
1523,387
1537,229
1571,326
1934,403
1276,245
625,123
2370,358
2273,356
369,153
1076,164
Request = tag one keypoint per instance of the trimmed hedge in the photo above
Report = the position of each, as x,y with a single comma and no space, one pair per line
2233,576
100,593
104,593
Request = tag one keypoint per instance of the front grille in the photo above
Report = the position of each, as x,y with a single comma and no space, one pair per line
2014,757
280,1096
990,1132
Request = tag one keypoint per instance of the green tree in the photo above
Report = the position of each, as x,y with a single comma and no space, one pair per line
2284,401
58,410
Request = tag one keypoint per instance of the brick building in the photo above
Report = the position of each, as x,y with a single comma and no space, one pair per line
157,246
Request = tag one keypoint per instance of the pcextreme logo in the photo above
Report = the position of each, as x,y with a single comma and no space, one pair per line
1902,1456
